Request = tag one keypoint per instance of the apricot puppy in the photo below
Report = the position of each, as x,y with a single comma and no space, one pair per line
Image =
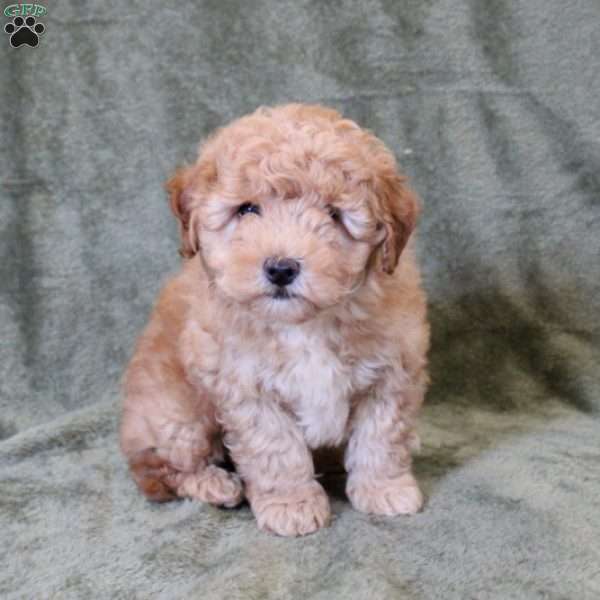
297,321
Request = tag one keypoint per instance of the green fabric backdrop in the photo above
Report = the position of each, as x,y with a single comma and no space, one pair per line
492,108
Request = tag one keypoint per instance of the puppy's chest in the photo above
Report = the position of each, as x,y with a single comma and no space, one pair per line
306,372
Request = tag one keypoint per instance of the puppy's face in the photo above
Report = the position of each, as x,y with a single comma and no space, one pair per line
287,258
290,212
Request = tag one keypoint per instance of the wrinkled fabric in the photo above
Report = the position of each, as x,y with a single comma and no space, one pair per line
492,110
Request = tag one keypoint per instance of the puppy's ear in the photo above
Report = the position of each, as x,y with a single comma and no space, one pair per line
400,209
186,187
178,188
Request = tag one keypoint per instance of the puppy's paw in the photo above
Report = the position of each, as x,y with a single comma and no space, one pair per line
299,511
213,485
398,496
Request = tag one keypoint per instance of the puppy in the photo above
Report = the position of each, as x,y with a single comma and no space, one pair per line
297,322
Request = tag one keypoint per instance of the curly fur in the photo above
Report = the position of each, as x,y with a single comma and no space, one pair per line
224,367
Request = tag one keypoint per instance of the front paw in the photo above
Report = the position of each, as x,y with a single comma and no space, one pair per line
397,496
297,511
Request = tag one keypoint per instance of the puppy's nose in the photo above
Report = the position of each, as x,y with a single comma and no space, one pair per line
281,271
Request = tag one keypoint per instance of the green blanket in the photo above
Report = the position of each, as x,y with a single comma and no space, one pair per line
492,107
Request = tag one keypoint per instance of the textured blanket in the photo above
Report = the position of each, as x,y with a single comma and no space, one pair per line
492,107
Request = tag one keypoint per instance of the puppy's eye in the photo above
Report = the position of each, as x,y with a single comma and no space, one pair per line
334,212
246,208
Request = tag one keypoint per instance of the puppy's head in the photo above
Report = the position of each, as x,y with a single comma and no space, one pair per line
292,209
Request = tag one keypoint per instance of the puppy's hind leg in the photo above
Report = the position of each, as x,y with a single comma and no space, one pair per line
154,476
170,459
211,484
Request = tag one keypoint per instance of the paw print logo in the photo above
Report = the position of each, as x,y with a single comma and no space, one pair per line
24,31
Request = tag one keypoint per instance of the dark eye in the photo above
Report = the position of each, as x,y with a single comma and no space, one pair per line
246,208
334,212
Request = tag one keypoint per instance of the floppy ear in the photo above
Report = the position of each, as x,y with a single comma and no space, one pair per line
185,188
178,188
400,211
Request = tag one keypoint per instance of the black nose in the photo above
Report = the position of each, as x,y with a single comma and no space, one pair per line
281,271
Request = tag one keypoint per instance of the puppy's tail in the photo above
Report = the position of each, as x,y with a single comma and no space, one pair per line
154,476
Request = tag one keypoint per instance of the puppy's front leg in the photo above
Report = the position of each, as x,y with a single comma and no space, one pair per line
378,457
276,466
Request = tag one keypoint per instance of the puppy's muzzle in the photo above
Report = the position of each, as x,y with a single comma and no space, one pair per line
281,271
